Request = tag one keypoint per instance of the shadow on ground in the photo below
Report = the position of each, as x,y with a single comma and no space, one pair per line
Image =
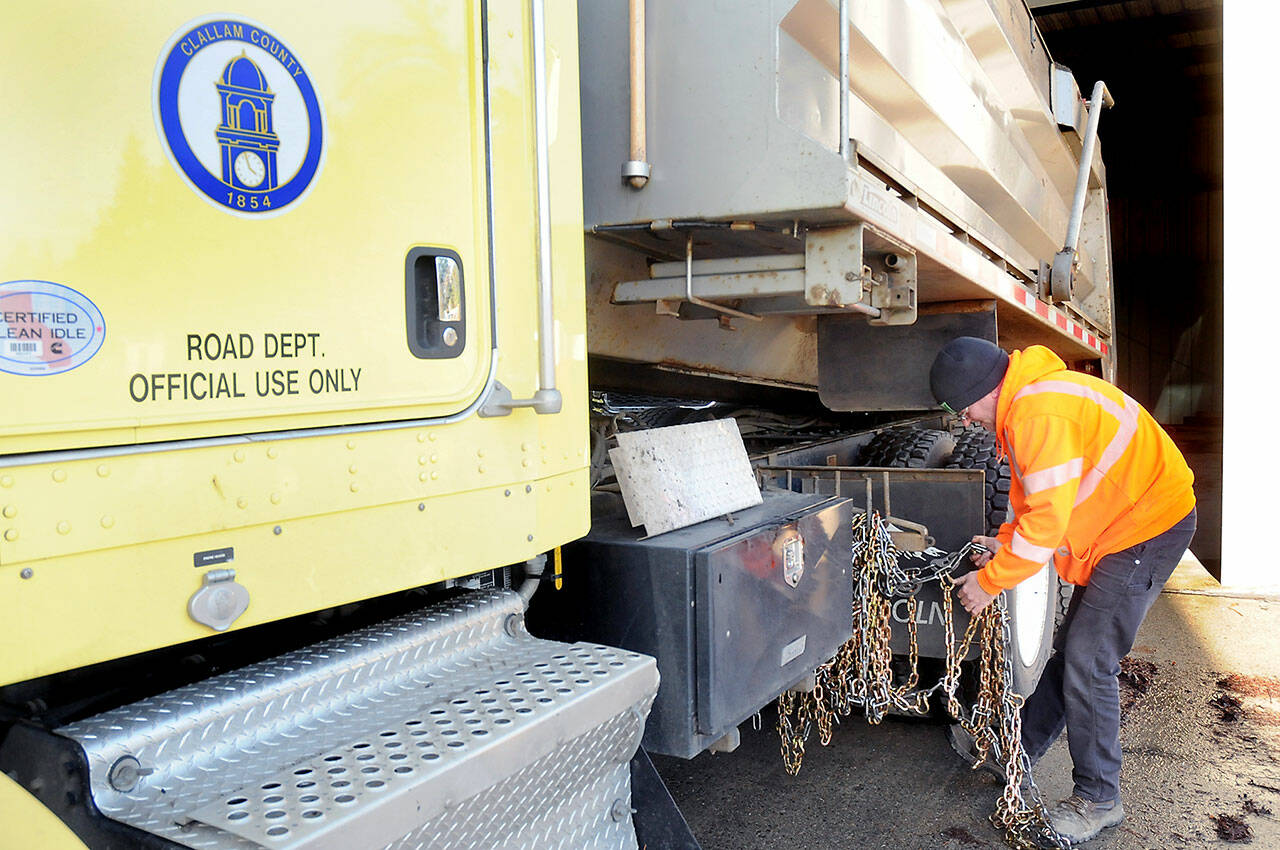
1202,742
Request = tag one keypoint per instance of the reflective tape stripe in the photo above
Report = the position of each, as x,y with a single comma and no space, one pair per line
1013,461
1054,476
1078,390
1114,451
1126,415
1031,552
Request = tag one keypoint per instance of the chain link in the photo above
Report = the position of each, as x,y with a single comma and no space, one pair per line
860,675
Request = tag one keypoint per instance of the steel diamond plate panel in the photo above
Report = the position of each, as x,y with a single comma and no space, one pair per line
394,731
681,475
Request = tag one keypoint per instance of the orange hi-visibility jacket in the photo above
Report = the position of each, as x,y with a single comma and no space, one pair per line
1093,473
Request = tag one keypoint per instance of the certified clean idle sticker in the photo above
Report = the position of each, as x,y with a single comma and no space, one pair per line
46,328
239,116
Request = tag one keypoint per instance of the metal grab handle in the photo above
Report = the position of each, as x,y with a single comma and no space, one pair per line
845,143
701,302
1101,97
1064,263
547,399
636,170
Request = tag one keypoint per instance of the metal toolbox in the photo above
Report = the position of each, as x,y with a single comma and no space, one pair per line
736,610
948,501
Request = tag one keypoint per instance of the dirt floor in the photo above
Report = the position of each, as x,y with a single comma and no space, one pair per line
1201,742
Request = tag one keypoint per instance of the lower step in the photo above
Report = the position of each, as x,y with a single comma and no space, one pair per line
452,727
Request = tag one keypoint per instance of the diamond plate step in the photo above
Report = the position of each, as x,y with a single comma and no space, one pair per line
451,727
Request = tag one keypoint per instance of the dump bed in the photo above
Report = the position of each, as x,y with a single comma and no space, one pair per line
954,189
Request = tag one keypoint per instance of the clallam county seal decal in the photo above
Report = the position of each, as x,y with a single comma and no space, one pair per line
239,116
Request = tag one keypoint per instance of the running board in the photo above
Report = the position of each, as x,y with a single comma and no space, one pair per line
450,727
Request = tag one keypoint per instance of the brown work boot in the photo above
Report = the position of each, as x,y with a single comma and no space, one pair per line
1077,819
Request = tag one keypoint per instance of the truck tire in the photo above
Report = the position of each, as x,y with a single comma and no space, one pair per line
1033,615
1033,604
908,448
1065,592
976,449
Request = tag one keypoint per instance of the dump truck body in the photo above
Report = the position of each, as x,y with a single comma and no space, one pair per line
955,188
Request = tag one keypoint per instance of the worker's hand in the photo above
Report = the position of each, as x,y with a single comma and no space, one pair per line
971,594
981,558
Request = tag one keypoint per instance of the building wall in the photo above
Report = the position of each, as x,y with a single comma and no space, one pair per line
1168,271
1163,148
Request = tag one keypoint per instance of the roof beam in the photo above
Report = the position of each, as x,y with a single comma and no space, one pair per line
1040,7
1153,27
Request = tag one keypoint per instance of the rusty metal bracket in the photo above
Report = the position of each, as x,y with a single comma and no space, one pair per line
908,536
862,269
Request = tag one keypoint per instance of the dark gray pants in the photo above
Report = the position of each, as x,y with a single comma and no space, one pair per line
1078,688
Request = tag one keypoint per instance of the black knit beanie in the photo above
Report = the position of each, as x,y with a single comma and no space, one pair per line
965,370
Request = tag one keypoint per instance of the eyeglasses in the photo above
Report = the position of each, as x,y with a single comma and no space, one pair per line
963,414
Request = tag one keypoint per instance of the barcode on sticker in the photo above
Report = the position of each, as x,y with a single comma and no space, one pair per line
24,347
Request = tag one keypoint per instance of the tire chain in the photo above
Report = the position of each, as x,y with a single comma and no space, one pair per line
860,675
976,449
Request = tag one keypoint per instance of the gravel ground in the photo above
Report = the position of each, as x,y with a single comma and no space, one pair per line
1201,742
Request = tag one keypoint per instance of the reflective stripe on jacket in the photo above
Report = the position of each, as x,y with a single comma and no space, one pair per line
1093,473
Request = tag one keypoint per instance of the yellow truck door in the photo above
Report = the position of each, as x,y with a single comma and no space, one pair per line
213,227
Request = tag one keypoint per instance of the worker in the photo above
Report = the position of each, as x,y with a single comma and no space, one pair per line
1098,487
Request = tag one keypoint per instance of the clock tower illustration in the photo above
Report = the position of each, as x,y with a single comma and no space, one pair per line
247,135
